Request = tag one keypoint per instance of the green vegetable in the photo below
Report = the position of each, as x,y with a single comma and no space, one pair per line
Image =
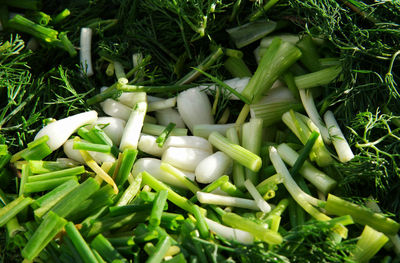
338,57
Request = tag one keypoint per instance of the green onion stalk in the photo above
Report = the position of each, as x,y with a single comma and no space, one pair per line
278,58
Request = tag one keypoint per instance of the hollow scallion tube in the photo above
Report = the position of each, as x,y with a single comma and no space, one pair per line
73,199
12,225
40,167
269,184
204,130
13,208
171,221
45,185
128,158
211,187
368,244
23,24
201,222
337,206
80,244
318,78
85,54
133,127
131,191
271,112
57,174
37,152
231,189
156,130
261,203
179,175
158,207
250,32
339,141
25,173
61,16
235,151
48,200
277,59
299,125
175,198
99,136
109,223
251,140
96,202
309,55
260,231
309,105
237,67
229,233
302,157
120,73
164,135
106,249
237,169
280,207
301,198
91,147
161,249
318,178
46,231
208,198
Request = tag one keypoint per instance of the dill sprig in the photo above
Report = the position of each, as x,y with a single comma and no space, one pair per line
375,171
30,98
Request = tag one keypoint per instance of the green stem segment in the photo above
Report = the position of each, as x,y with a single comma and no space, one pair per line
201,223
369,243
237,67
45,185
12,209
158,207
73,199
235,151
46,231
57,174
211,187
175,198
309,57
180,176
361,215
80,244
165,133
238,171
260,231
23,24
131,191
268,5
85,146
106,249
205,65
318,78
251,140
277,59
47,201
160,250
128,158
61,16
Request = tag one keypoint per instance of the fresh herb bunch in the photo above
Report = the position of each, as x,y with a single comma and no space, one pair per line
178,35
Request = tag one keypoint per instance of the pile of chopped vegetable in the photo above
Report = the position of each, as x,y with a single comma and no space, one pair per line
199,131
